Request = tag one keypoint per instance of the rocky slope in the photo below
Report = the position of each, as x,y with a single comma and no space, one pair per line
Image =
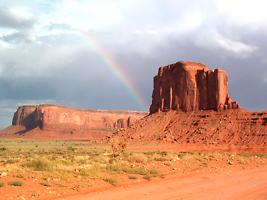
231,127
63,119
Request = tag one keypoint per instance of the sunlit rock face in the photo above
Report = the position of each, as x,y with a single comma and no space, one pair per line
190,86
60,118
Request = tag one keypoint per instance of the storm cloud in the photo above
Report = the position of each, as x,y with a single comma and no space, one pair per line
45,56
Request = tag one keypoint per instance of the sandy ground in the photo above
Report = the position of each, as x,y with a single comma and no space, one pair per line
250,184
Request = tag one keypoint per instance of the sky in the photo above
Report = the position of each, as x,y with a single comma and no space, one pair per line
103,54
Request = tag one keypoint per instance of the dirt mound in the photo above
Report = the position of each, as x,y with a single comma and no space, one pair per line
230,127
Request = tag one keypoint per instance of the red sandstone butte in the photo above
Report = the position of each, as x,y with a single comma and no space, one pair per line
190,86
214,122
60,118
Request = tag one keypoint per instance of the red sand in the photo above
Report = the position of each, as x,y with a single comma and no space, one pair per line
248,184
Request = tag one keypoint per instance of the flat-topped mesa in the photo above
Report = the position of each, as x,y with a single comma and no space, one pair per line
190,86
60,118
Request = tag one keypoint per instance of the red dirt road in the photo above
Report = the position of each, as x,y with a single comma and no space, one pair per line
247,184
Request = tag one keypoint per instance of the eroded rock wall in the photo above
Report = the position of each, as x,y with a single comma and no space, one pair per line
25,116
59,118
189,86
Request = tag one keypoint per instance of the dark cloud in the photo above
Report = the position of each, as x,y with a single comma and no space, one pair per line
9,19
16,37
62,66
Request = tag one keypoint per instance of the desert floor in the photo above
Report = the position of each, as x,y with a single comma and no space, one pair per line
247,184
48,170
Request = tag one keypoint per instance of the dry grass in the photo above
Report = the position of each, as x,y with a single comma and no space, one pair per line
62,160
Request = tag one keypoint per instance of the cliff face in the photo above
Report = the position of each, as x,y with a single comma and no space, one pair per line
25,116
189,86
59,118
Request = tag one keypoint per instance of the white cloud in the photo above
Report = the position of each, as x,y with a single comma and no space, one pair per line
249,12
214,40
4,45
234,46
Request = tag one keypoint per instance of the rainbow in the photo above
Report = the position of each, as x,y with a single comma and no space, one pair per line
116,69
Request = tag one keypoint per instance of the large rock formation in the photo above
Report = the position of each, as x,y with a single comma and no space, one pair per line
190,86
59,118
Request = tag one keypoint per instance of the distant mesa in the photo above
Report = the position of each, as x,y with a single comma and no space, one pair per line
63,119
190,86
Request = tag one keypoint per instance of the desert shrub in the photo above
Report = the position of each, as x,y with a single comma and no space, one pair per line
153,172
45,183
118,147
19,176
135,170
147,177
39,165
114,167
3,149
249,155
71,149
89,172
138,157
111,181
132,177
2,184
15,183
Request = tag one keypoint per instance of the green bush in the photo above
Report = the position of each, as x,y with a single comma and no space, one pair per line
16,183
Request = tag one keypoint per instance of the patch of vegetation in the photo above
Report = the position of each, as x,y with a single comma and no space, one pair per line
39,165
135,170
132,177
203,164
15,183
111,181
147,177
249,155
2,184
45,183
118,147
55,162
116,167
71,149
138,157
19,176
3,149
91,172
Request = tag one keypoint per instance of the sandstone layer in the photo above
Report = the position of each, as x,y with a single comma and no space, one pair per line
60,118
190,86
